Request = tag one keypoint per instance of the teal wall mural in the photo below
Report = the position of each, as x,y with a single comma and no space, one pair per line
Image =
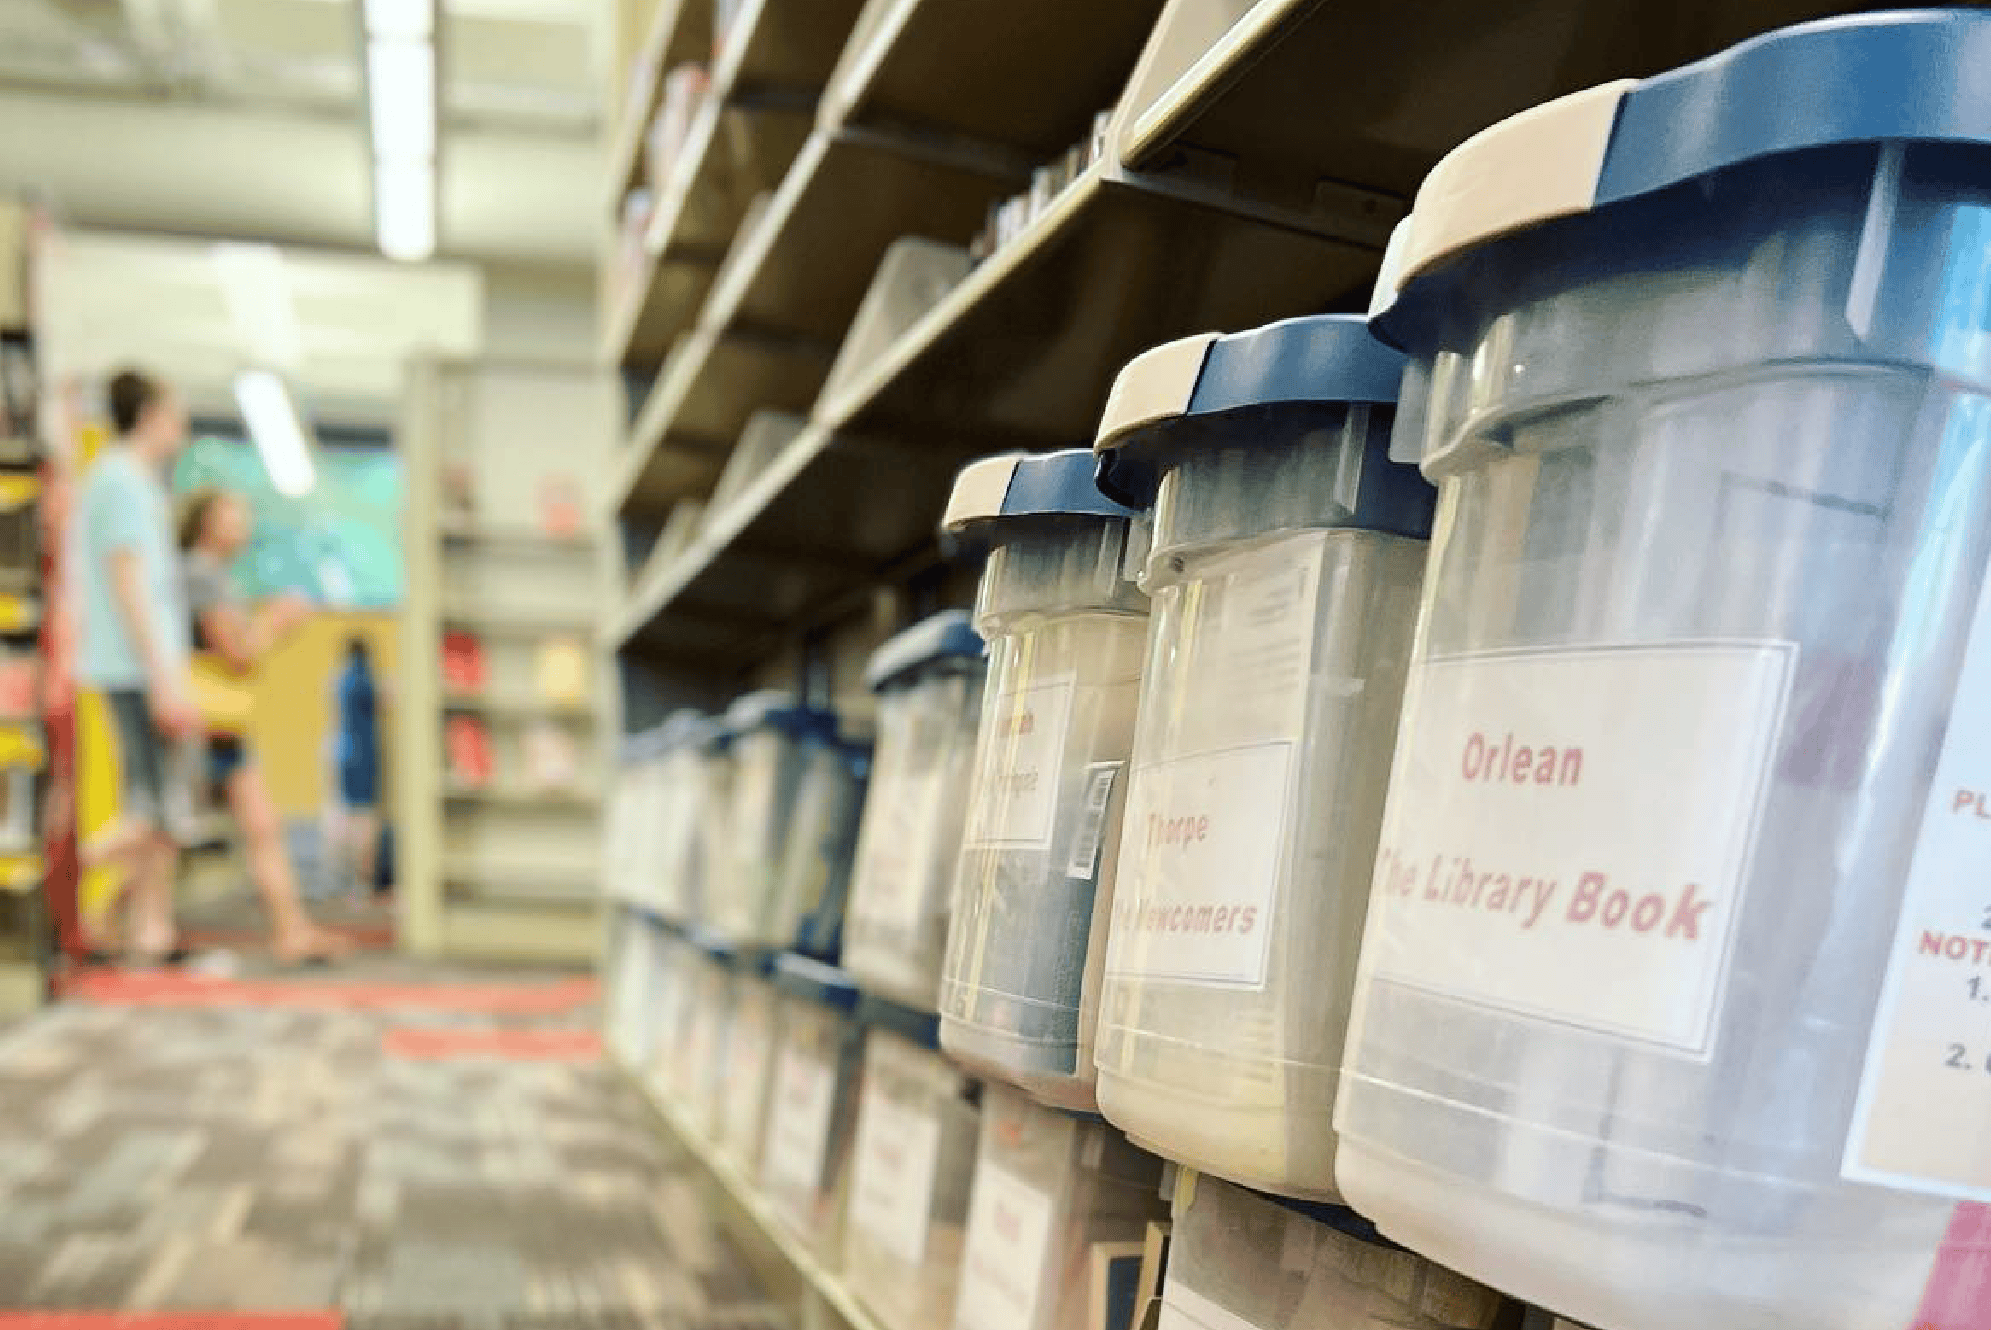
340,544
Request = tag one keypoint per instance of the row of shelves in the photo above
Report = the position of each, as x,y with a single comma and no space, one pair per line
1251,171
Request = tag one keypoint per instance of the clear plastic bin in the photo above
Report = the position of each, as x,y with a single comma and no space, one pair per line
680,793
631,990
622,824
918,1124
821,845
701,1054
669,998
929,685
1067,630
812,1103
750,1042
1287,551
1669,1013
1055,1196
772,741
1238,1260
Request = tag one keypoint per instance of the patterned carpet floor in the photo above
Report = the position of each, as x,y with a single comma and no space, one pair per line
379,1149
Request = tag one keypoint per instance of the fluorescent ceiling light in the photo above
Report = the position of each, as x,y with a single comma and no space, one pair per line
401,98
279,434
400,18
404,209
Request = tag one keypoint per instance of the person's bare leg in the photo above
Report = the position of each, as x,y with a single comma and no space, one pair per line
293,937
363,835
149,898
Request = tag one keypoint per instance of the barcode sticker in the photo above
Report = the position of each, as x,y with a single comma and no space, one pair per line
1099,779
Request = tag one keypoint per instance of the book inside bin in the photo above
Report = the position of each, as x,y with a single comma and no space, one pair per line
1061,1205
749,1061
814,881
773,738
1284,574
918,1125
1698,713
1239,1260
1067,631
928,680
812,1104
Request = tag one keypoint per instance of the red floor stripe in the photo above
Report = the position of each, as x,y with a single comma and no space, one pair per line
330,1320
369,937
499,1045
165,988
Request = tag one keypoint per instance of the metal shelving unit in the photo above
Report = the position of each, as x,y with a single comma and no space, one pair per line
1257,158
500,863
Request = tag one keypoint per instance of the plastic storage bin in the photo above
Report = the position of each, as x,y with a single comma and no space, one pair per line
630,1005
771,740
701,1053
929,685
1242,1261
1287,552
821,845
1056,1197
918,1123
750,1044
682,794
812,1106
1067,630
1667,1014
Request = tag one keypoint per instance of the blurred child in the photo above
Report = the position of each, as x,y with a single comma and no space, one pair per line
229,640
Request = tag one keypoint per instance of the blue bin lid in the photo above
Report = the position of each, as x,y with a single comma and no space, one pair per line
1019,487
813,981
710,941
772,709
1177,396
918,1027
946,636
1905,76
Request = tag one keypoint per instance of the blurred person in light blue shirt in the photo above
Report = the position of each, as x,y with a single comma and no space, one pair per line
132,646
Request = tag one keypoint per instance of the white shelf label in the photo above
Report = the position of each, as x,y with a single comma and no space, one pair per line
1925,1095
1569,832
746,1066
798,1128
1186,1309
1027,729
898,1149
1200,852
1009,1240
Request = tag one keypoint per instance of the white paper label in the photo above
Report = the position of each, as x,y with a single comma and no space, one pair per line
1100,778
798,1128
1186,1309
1569,832
1200,851
1009,1240
1925,1094
1028,728
746,1066
898,1149
1261,643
